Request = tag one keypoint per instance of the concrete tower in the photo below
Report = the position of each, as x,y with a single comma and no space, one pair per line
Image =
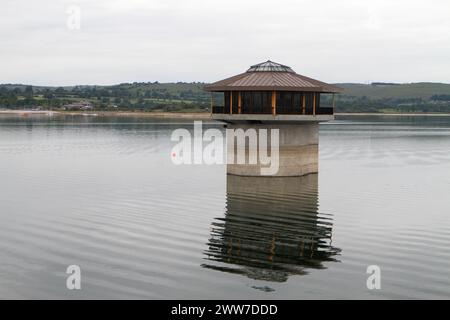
272,96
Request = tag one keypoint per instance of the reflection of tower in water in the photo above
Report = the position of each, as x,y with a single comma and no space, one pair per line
271,229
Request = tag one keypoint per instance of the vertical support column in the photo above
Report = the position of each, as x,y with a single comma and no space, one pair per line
231,102
298,150
314,103
274,103
333,102
304,102
212,103
239,103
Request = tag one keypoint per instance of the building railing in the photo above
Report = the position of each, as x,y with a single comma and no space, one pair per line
218,109
325,110
283,111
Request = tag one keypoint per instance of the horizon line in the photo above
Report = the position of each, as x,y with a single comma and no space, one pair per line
201,82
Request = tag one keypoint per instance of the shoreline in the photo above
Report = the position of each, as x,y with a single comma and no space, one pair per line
413,114
186,115
166,115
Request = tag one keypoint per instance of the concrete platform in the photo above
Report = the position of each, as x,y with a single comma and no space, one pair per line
268,118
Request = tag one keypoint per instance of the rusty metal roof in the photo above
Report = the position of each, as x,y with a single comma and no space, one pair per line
271,76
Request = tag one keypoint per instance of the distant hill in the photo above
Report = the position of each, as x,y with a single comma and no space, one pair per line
393,97
421,90
182,96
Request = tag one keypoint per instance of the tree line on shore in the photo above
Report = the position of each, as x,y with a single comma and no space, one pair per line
181,96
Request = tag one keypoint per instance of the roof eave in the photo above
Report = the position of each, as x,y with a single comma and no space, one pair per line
211,88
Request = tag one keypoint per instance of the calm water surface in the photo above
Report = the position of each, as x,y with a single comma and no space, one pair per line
102,193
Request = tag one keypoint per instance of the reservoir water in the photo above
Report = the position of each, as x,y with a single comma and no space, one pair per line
102,193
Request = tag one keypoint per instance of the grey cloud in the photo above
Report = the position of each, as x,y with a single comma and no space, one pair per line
199,40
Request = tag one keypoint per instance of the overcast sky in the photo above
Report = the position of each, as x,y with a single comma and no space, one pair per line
206,40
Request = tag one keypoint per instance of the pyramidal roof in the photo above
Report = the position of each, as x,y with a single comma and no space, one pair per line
270,75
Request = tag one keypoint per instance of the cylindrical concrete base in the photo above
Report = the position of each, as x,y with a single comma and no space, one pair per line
297,150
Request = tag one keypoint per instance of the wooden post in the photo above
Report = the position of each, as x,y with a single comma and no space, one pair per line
239,103
314,103
231,102
212,103
274,103
304,102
